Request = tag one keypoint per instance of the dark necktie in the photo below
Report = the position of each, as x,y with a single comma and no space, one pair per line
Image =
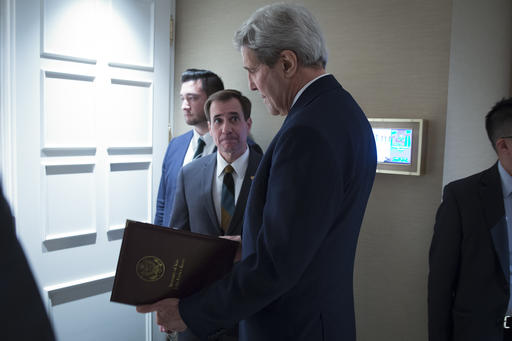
199,150
227,201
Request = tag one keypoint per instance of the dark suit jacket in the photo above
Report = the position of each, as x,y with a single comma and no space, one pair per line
468,286
300,230
172,164
24,314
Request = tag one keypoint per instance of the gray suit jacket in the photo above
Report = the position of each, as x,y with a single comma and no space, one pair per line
194,209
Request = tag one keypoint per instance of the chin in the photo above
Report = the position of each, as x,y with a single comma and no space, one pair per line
273,111
192,121
229,150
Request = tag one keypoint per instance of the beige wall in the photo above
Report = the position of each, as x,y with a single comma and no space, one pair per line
204,34
480,67
393,56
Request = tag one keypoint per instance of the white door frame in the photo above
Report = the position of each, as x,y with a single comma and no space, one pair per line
7,117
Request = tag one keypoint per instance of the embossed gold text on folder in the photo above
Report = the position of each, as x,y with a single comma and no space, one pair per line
157,262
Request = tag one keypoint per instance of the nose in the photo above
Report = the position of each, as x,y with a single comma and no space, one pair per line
226,128
252,85
184,104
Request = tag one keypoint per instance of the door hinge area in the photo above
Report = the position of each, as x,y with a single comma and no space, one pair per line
169,132
171,30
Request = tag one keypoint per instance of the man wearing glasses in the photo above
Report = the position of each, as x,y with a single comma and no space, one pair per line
470,258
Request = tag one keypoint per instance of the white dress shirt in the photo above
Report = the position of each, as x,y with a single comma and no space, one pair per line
306,86
208,148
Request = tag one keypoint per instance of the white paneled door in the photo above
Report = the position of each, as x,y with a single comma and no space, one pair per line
91,90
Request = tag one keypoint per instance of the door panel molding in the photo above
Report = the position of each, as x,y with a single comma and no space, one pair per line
68,151
67,241
130,150
82,288
132,66
68,58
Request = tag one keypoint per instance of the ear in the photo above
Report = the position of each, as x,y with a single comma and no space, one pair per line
209,126
289,63
503,147
500,144
249,124
504,151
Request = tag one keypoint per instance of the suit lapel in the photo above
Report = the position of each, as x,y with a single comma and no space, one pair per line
207,193
492,200
500,239
238,216
184,147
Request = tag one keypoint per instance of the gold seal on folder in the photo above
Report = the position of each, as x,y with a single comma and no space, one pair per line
150,268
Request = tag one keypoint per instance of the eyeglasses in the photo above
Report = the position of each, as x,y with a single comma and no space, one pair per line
506,137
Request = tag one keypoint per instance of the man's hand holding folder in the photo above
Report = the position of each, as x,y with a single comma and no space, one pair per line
158,262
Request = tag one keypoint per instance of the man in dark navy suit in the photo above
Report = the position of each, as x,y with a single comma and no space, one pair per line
307,200
196,86
470,255
25,317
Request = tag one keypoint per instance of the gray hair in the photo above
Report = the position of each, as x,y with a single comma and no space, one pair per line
277,27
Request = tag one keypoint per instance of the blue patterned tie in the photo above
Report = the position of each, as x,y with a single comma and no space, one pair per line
227,201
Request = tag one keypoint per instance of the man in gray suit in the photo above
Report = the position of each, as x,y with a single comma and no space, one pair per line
212,191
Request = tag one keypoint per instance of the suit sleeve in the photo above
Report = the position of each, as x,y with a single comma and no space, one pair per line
180,216
160,200
444,267
254,146
304,191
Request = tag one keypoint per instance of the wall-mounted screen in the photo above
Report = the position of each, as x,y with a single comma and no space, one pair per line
399,145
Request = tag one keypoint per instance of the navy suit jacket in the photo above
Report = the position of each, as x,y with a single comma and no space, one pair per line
25,316
173,161
301,225
468,286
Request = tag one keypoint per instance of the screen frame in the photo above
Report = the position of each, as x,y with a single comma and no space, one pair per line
418,127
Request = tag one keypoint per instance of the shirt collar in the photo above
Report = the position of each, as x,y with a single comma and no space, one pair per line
506,180
207,138
239,165
305,86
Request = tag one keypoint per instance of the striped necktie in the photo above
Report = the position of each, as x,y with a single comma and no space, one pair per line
199,150
227,201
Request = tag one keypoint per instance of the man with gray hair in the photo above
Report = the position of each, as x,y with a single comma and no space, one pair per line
307,201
